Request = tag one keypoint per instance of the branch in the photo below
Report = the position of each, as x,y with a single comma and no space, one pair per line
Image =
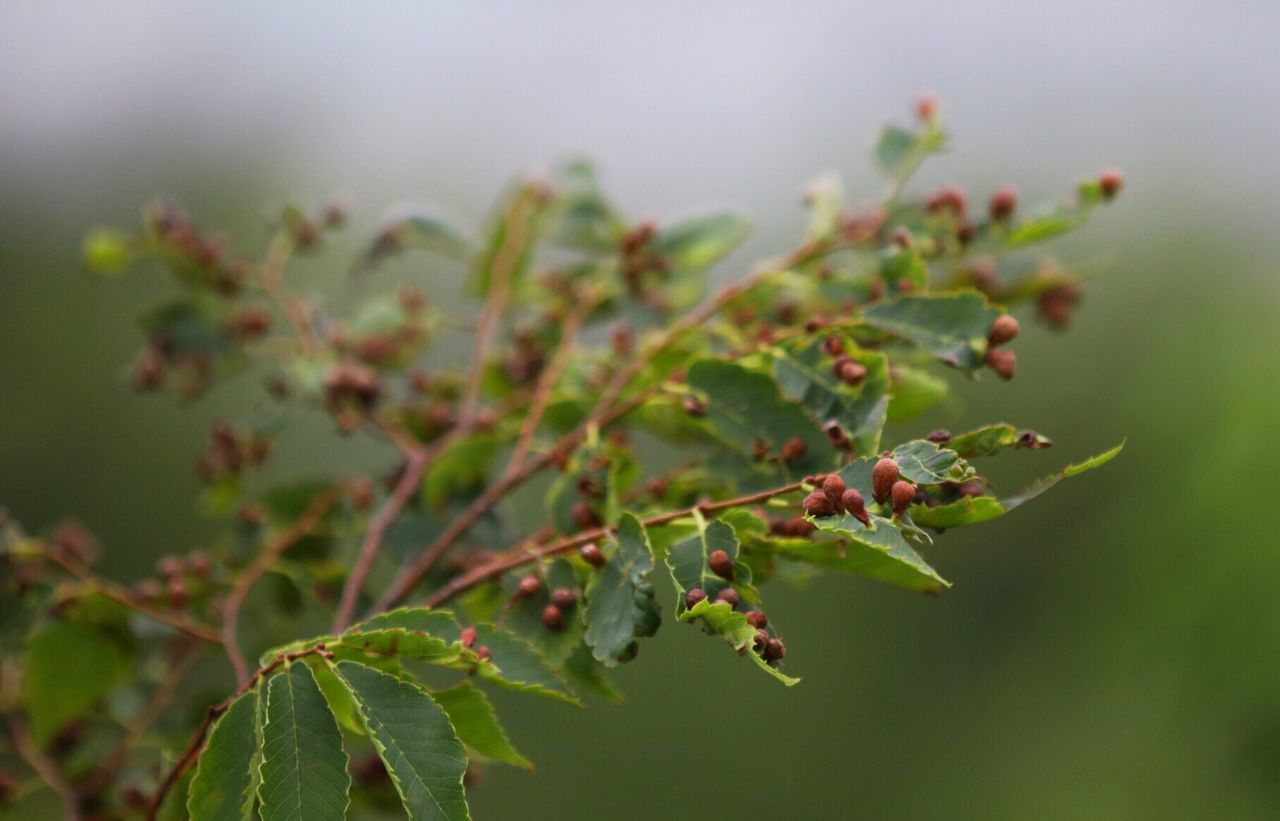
245,581
524,553
270,275
31,752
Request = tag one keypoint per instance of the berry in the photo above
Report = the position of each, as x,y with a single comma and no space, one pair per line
904,493
883,475
729,596
1110,181
590,553
851,373
467,636
1003,362
552,617
178,594
564,598
852,501
1003,202
833,346
757,619
760,640
926,108
833,486
774,650
793,449
584,518
694,596
529,586
835,433
1003,329
721,564
939,437
170,567
798,527
484,653
694,406
817,504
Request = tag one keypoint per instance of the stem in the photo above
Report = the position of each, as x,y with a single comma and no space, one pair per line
245,581
524,554
271,278
43,766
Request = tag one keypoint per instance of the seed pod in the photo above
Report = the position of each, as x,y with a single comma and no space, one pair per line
694,596
467,636
1003,362
564,598
774,650
817,504
883,475
1110,181
484,653
552,617
793,449
904,493
721,564
694,406
1003,202
834,487
833,346
729,596
1003,329
852,501
529,586
851,373
590,553
757,619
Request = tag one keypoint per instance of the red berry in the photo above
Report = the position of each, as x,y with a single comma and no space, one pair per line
852,501
817,504
721,564
529,585
851,373
757,619
1003,362
1003,202
939,437
926,107
1003,329
1110,181
467,636
904,493
584,518
835,433
730,596
833,346
883,475
590,553
694,406
833,486
484,653
694,596
793,449
564,598
760,640
552,617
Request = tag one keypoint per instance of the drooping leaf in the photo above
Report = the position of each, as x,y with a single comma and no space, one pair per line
66,668
588,675
476,723
415,741
1045,224
226,776
620,600
699,241
804,373
952,327
719,619
304,768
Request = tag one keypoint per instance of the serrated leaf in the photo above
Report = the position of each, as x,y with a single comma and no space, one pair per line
476,723
226,775
721,620
991,439
952,327
418,619
304,768
687,561
900,152
588,675
700,241
620,600
525,616
66,668
925,463
804,374
413,231
414,739
1019,499
878,552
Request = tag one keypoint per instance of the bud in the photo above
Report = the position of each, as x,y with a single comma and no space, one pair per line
1003,362
1110,181
721,564
178,594
757,619
552,617
760,640
883,475
939,437
833,346
835,433
170,567
694,596
926,108
564,598
851,373
484,653
729,596
852,502
590,553
1003,202
947,198
467,636
793,449
529,586
833,486
904,493
817,504
1003,329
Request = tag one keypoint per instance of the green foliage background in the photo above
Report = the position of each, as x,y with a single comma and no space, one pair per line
1113,653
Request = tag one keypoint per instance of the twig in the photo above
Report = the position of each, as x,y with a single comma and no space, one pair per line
272,281
245,581
523,553
123,595
43,766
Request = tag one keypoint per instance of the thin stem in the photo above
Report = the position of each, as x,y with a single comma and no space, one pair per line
43,766
525,553
261,563
271,278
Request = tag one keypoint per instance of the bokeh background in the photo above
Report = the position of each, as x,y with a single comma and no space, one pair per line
1111,652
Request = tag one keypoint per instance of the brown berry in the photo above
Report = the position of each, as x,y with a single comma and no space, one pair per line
817,504
484,653
694,406
1003,362
774,650
939,437
834,487
529,586
883,475
760,640
1003,329
467,636
729,596
757,619
584,517
835,433
1110,181
178,594
793,449
552,617
833,346
904,493
852,502
694,596
1003,202
564,598
852,373
721,564
590,553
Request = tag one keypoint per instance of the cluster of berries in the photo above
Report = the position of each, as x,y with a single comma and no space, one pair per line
229,453
561,599
770,648
832,497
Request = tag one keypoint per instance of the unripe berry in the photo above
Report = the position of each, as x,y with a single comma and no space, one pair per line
552,617
817,504
1003,329
721,564
1003,202
1003,362
852,501
757,619
467,636
939,437
529,586
1110,181
484,653
883,475
564,598
590,553
694,596
729,596
904,493
793,449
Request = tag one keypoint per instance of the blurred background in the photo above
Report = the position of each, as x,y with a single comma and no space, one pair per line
1111,652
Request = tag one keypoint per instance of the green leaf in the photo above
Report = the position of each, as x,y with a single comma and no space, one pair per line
698,242
413,231
304,768
991,439
1049,223
525,617
900,152
66,668
192,325
583,217
915,391
620,599
512,234
804,373
925,463
416,619
878,552
1047,482
745,407
952,327
107,253
588,675
687,561
719,619
226,776
462,465
476,723
415,741
825,199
